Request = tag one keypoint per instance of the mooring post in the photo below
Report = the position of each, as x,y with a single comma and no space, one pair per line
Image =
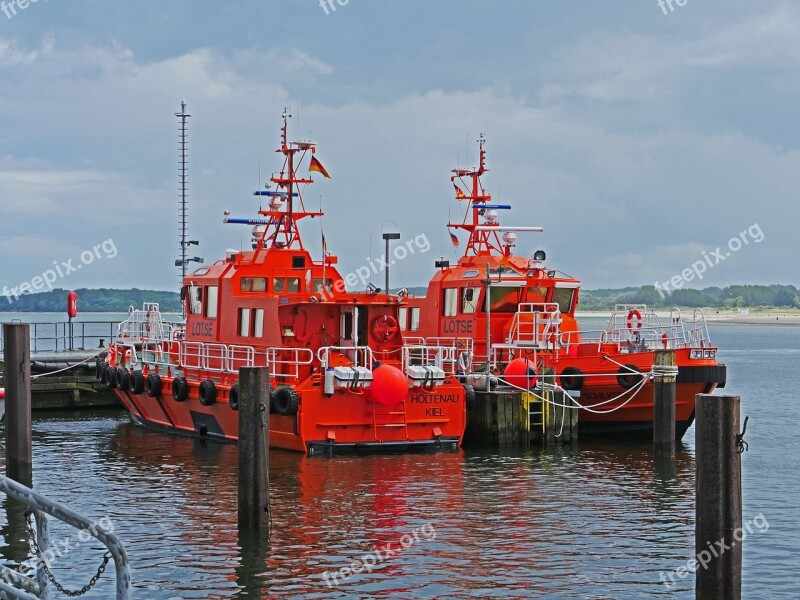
19,450
665,374
718,499
253,448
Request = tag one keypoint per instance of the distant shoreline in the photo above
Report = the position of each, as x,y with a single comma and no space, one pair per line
775,317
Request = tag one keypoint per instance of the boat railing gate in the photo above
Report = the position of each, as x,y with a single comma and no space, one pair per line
451,359
360,356
55,337
16,585
285,363
535,324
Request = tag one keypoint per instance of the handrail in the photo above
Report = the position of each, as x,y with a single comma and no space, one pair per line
42,504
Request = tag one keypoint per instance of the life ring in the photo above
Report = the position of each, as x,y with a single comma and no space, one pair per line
152,385
634,314
572,379
136,382
286,401
233,397
628,376
180,389
207,393
384,328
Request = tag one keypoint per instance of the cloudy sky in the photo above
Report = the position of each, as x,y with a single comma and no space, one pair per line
638,139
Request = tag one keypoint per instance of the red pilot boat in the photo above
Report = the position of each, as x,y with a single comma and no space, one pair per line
342,375
528,320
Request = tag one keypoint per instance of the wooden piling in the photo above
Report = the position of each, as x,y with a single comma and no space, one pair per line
253,448
664,383
718,499
17,377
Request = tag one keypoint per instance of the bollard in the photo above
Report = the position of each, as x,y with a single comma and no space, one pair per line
19,451
665,375
253,448
718,498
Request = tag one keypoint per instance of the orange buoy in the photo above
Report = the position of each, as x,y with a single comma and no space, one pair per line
389,385
521,372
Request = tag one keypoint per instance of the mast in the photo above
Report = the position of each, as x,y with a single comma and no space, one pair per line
182,187
277,226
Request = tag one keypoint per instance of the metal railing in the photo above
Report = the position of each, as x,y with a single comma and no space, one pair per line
17,585
56,337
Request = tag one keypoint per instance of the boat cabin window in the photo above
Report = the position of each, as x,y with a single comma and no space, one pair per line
504,299
244,322
402,318
450,304
286,284
298,262
195,300
414,325
253,284
537,295
211,302
258,323
564,298
469,299
470,273
316,285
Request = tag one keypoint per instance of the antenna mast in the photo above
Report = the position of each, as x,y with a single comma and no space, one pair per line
182,186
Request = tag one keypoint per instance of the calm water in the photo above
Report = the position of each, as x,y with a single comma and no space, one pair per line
593,521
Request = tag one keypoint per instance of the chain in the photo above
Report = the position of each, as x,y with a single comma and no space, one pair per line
72,593
741,445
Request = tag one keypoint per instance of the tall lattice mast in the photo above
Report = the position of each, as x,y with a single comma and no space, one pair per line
182,187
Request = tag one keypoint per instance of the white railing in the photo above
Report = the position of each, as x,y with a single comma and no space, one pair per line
285,363
146,324
450,359
219,358
535,325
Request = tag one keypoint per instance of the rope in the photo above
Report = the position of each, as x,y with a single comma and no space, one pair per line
589,408
69,367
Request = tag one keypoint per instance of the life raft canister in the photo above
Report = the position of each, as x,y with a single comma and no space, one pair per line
634,320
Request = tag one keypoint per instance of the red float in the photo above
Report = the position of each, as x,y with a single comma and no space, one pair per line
389,385
72,305
521,372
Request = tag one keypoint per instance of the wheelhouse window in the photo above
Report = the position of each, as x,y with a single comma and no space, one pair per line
293,285
469,299
244,322
211,301
564,298
504,299
450,304
402,318
279,285
537,295
258,323
195,300
414,314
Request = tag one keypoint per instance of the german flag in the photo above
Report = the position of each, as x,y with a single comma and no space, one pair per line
315,165
459,194
454,239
